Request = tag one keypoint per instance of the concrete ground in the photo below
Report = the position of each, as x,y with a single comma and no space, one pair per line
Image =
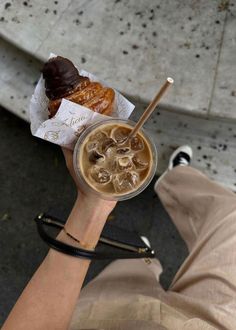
34,179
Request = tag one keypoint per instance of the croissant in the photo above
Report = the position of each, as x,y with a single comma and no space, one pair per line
62,80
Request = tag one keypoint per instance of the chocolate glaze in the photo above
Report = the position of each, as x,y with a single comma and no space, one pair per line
61,77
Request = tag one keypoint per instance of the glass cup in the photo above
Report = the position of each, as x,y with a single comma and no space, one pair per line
84,167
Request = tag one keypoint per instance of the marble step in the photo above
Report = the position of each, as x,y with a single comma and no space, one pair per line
213,142
19,75
134,45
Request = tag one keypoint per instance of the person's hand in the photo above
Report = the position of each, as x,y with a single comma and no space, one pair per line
68,154
87,199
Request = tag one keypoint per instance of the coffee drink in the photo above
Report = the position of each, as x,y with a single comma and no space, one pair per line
112,164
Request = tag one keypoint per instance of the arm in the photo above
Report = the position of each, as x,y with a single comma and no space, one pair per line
49,299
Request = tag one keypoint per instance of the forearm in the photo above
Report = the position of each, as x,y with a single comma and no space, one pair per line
49,299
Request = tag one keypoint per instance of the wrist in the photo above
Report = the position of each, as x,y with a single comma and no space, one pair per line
88,218
93,206
65,237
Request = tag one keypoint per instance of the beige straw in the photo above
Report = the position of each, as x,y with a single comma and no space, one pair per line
151,107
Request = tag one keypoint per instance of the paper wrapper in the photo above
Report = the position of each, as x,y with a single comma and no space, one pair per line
64,128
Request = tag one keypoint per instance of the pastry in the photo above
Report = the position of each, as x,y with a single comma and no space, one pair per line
62,80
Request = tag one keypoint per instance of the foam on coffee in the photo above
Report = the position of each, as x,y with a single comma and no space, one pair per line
112,164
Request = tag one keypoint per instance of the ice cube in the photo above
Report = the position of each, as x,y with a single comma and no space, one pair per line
110,152
99,136
137,143
95,156
123,182
123,151
120,134
91,145
106,144
139,163
125,163
100,174
111,165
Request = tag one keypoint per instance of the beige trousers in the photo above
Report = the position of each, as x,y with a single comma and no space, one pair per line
205,215
204,288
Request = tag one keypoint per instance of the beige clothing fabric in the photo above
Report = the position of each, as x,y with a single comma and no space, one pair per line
127,294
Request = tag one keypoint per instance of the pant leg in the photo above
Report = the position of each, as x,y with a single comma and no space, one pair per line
121,281
125,277
205,215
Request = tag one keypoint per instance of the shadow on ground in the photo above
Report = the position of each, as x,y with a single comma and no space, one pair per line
34,179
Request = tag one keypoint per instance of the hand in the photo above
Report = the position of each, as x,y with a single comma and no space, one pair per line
87,199
89,213
68,154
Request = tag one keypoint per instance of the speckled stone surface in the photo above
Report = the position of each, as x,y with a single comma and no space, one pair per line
19,74
27,23
133,45
224,96
213,142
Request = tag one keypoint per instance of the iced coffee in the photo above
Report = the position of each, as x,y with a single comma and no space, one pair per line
112,164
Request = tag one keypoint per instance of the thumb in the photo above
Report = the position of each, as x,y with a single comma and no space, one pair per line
68,154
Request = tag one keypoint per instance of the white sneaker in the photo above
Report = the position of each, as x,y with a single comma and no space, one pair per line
180,157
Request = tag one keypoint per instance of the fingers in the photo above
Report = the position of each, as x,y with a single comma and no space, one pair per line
68,154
